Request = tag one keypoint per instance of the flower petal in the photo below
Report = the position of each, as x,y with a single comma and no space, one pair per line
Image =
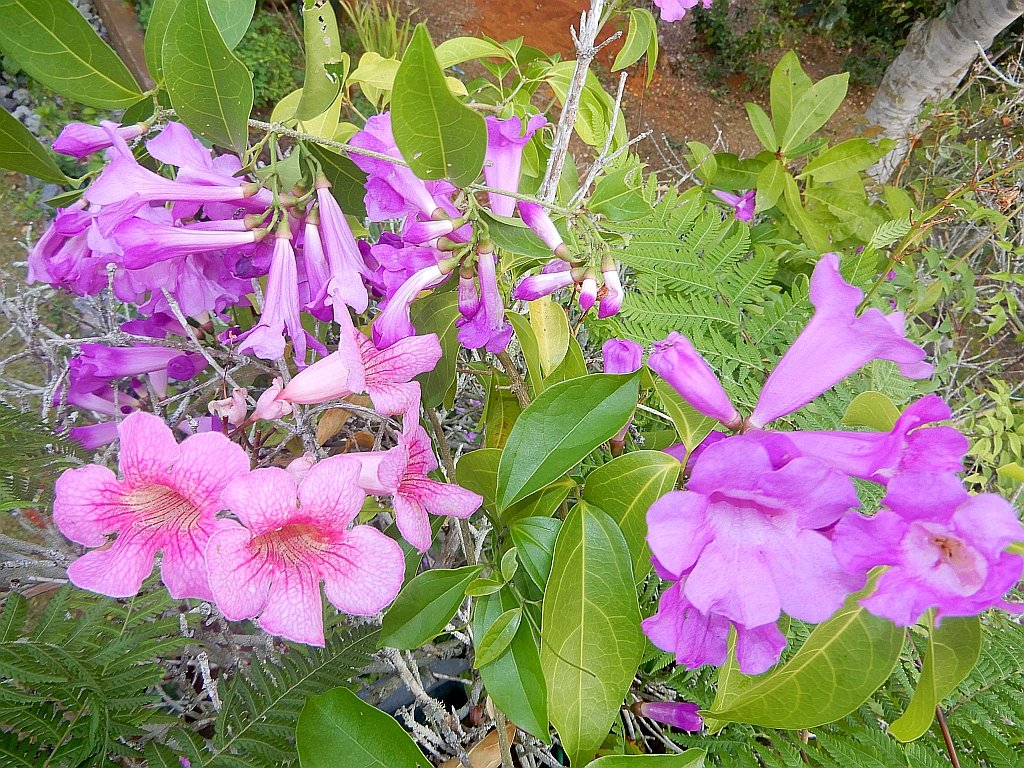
207,463
148,449
330,494
87,505
119,570
263,500
365,572
294,609
239,578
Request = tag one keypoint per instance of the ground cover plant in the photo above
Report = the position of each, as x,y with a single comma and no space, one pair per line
422,424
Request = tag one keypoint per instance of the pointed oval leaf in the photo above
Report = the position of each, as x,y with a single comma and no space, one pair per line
425,606
323,50
840,665
770,184
873,410
641,38
591,639
156,30
498,637
565,423
339,723
692,425
55,45
461,49
953,649
814,109
844,159
551,328
625,488
437,313
348,182
788,85
21,151
210,89
691,758
763,128
232,18
436,133
514,680
534,538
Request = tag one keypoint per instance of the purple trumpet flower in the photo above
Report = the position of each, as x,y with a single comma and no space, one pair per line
588,290
504,159
743,205
81,139
315,268
469,294
345,286
674,10
621,356
679,714
677,361
487,326
146,242
555,275
98,364
611,295
537,219
834,344
421,232
394,323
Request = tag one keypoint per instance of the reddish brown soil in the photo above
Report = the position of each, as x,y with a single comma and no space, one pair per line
678,105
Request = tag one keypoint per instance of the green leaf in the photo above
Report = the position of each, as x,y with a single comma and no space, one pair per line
691,758
156,30
789,84
618,199
551,329
531,349
437,313
339,723
209,88
20,151
771,184
641,38
477,471
763,128
509,563
792,205
534,538
514,236
692,425
814,109
703,161
348,183
425,606
498,637
953,649
460,49
873,410
844,159
625,488
437,135
1013,471
55,45
591,640
572,366
514,680
565,423
842,663
323,51
481,587
501,412
543,503
232,18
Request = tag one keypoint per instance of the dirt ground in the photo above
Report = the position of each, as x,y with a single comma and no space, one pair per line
678,106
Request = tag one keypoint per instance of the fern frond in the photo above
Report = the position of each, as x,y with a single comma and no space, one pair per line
31,459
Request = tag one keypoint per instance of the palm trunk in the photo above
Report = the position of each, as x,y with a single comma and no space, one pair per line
935,59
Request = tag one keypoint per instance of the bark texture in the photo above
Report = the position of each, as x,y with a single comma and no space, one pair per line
936,57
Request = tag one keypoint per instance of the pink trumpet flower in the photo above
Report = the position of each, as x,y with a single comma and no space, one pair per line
536,218
232,409
588,290
294,536
384,374
504,160
166,500
555,276
146,242
611,295
674,10
679,714
487,326
347,268
394,323
422,232
743,205
81,139
677,361
621,356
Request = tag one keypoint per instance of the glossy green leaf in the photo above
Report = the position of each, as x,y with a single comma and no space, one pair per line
323,53
770,184
340,723
572,366
814,108
692,425
156,30
543,503
56,46
534,538
691,758
844,159
436,133
21,151
565,423
625,488
953,649
425,606
591,639
498,637
210,89
461,49
763,128
348,183
509,564
873,410
514,236
641,38
437,313
514,680
840,665
501,411
551,329
477,471
619,198
481,587
531,350
733,173
703,161
232,18
791,203
788,85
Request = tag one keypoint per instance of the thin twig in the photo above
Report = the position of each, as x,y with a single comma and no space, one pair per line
518,385
946,737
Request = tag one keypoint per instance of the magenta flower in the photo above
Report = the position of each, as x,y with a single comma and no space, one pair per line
588,290
679,714
384,374
81,139
536,217
394,323
395,261
145,242
621,356
98,365
555,275
912,445
486,327
743,205
834,344
611,295
292,538
677,361
674,10
347,269
944,549
269,406
469,293
504,160
422,232
166,500
232,409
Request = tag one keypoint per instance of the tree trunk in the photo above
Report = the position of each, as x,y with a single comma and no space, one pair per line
935,59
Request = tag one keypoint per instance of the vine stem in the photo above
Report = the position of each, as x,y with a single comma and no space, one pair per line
518,385
947,737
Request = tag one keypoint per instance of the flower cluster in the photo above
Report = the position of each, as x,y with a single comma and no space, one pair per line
769,521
